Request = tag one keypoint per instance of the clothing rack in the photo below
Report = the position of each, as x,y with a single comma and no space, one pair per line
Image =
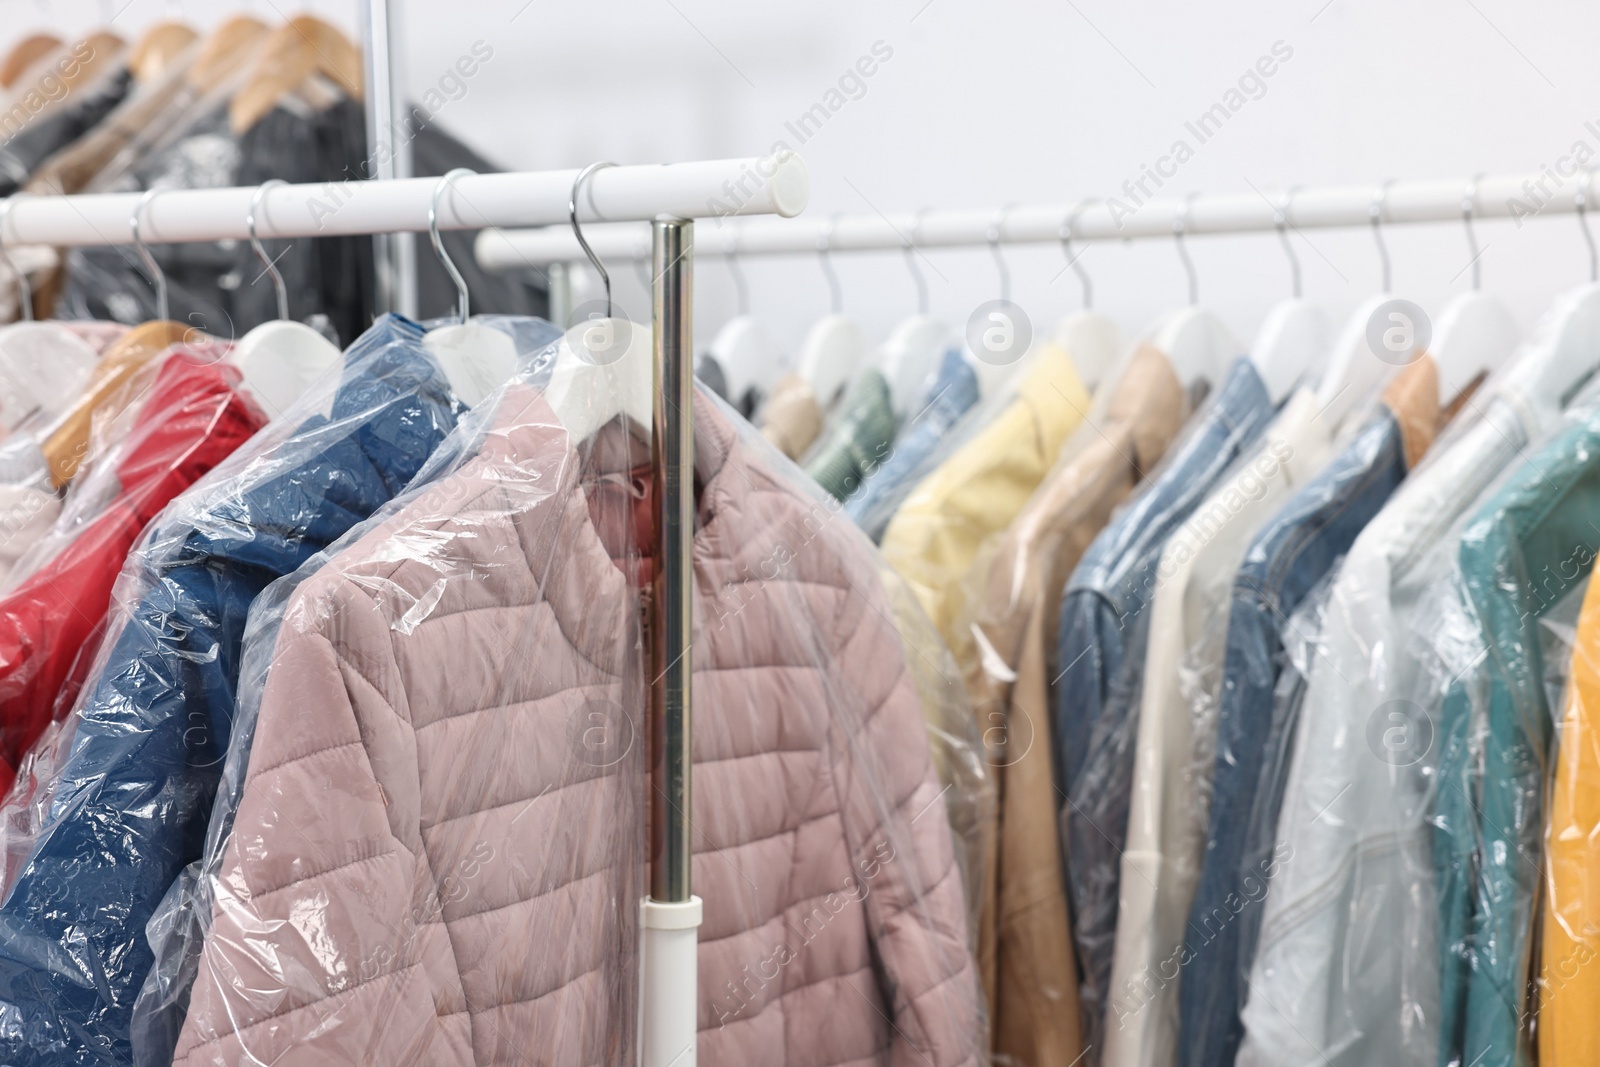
1128,215
670,198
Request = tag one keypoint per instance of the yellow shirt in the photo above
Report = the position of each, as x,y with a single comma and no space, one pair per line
934,537
1569,980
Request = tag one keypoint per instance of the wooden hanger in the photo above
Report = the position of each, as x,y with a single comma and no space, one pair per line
232,43
157,48
302,47
68,441
24,54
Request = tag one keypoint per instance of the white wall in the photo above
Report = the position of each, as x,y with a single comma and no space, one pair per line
987,102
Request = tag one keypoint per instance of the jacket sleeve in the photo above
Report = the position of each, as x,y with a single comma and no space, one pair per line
326,926
899,837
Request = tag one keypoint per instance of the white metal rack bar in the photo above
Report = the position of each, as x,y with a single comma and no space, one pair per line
669,198
1121,217
537,198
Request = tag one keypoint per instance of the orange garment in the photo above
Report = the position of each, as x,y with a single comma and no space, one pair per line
1569,979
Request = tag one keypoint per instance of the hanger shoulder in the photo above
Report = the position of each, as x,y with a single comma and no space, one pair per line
1291,345
65,445
1476,333
300,48
154,51
1094,343
24,54
224,50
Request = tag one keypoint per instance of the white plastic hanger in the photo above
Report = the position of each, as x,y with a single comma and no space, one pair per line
280,359
1476,333
1198,344
1295,334
1354,372
602,367
476,358
911,353
1092,339
1563,353
747,353
43,365
834,348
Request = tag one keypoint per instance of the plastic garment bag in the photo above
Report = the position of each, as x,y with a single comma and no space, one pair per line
857,440
1260,702
1526,549
981,487
1346,965
1004,647
930,429
1177,723
436,845
192,419
119,799
1099,665
954,743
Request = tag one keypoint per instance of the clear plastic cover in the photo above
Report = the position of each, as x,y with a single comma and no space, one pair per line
193,418
1099,663
429,845
984,484
117,801
943,417
954,742
1258,716
791,418
1522,558
1346,964
1174,751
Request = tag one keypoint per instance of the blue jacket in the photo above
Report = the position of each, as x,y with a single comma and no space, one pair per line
1104,626
132,799
1256,722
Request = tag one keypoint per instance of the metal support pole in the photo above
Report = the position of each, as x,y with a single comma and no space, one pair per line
671,914
388,154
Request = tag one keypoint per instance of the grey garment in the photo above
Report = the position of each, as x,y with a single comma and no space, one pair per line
434,152
220,286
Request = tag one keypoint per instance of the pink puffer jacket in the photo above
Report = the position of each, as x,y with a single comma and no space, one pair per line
438,854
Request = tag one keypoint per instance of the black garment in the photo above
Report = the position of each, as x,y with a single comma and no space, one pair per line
709,370
434,153
34,141
221,287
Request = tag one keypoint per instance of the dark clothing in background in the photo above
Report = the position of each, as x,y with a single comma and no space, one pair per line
37,140
434,153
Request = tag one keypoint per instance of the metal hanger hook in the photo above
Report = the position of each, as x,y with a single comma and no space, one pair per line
1375,214
577,231
156,275
1580,201
24,290
824,256
908,247
438,242
996,228
1073,261
1180,223
1469,203
1281,219
730,252
278,285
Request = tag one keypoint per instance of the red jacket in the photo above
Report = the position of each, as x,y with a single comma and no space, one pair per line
194,418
